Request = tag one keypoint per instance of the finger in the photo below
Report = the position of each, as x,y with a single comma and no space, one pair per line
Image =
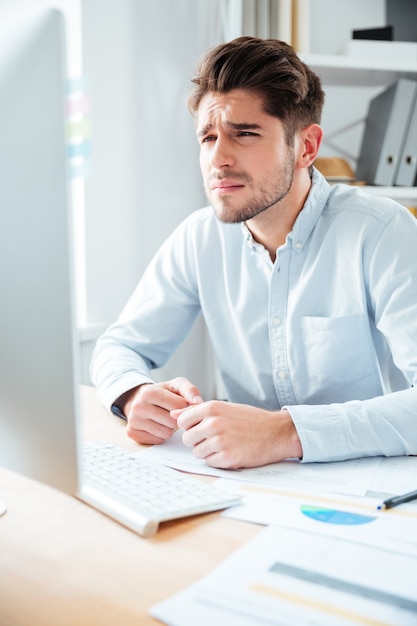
189,417
159,397
156,422
194,437
221,461
183,387
210,450
145,437
144,409
175,413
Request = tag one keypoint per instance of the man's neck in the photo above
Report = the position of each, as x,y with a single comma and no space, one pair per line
271,227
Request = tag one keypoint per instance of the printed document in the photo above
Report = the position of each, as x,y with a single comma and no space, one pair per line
353,476
286,576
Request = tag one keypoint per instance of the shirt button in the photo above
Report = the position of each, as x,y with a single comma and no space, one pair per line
276,321
298,245
282,375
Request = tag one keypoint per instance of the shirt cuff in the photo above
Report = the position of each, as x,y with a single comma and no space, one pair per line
116,411
321,432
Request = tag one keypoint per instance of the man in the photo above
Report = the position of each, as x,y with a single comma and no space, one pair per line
309,292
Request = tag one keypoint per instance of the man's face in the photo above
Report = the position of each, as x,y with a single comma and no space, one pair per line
246,163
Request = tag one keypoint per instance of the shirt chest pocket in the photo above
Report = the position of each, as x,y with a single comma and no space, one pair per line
339,357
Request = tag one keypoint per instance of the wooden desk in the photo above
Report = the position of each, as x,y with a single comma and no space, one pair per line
63,563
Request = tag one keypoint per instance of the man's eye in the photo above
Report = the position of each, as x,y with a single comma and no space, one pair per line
247,133
208,138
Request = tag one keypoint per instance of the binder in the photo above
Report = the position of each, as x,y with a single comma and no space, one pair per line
385,131
407,168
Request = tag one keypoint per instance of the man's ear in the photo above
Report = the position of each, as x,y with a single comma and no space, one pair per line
309,139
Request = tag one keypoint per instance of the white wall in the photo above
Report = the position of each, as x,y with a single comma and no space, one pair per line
332,22
138,58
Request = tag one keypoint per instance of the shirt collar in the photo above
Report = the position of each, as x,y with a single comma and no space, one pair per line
311,211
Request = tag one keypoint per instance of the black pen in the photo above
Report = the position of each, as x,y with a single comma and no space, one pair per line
391,502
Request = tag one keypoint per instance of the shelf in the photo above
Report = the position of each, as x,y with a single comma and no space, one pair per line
344,70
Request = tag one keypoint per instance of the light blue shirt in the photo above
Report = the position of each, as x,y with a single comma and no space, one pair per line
328,331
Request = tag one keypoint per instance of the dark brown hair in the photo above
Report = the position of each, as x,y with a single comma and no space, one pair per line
271,68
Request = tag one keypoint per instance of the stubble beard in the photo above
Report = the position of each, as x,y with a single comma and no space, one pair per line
269,194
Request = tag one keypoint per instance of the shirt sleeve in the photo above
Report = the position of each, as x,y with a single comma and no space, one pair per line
382,426
153,323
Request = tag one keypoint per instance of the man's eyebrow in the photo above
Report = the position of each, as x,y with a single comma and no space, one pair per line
233,125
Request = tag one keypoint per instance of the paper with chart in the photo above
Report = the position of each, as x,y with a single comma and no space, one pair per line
263,504
288,576
348,517
352,476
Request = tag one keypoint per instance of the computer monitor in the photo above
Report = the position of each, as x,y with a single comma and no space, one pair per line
38,432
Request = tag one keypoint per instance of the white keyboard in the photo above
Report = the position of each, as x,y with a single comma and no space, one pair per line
152,492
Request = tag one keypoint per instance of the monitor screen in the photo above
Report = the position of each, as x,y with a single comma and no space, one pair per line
37,358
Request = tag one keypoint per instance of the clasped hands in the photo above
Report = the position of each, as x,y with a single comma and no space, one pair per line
226,435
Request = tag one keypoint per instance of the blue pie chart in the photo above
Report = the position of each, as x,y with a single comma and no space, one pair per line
332,516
